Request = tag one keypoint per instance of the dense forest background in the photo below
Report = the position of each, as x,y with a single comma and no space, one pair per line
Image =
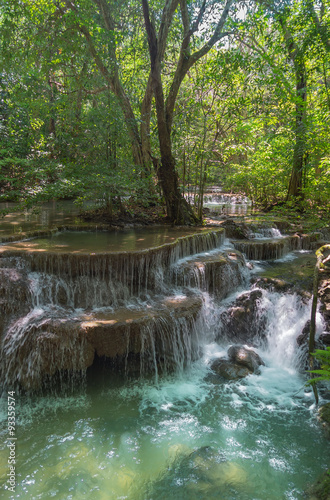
104,99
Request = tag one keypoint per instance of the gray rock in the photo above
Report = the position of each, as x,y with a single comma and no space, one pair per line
243,322
229,370
245,357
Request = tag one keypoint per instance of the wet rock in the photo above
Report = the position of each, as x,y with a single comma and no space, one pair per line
273,284
324,417
275,248
269,249
229,370
243,321
15,296
133,268
302,339
321,489
61,295
204,473
42,349
157,338
324,297
219,274
163,337
245,357
324,338
236,230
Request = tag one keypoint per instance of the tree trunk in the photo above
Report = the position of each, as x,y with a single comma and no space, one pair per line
297,57
296,180
52,121
178,210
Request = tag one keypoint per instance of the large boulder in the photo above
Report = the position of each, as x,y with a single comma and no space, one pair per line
229,370
241,362
203,473
245,357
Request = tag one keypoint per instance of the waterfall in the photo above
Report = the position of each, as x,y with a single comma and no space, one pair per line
115,387
146,311
117,305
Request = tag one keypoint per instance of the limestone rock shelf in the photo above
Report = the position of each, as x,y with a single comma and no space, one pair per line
158,338
218,273
276,248
51,305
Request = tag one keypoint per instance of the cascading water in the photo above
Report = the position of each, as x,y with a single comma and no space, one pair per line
184,435
221,203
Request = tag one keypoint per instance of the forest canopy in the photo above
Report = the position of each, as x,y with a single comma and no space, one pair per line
101,99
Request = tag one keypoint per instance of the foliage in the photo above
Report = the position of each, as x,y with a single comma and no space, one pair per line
323,373
65,130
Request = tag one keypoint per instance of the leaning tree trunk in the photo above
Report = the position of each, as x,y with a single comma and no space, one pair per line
178,209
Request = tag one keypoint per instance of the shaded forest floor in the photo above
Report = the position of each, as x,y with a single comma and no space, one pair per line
122,214
136,213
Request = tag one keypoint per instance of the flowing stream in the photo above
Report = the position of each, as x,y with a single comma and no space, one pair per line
186,434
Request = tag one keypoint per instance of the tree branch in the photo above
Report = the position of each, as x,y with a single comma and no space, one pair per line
185,17
115,85
186,61
151,34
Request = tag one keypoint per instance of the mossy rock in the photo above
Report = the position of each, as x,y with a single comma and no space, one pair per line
324,417
321,489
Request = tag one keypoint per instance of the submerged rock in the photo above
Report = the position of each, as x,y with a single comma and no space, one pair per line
245,357
204,473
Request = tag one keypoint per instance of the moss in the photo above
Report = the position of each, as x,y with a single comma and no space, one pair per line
296,274
324,414
321,489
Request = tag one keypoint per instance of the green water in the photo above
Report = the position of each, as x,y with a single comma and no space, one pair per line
188,437
112,241
46,216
